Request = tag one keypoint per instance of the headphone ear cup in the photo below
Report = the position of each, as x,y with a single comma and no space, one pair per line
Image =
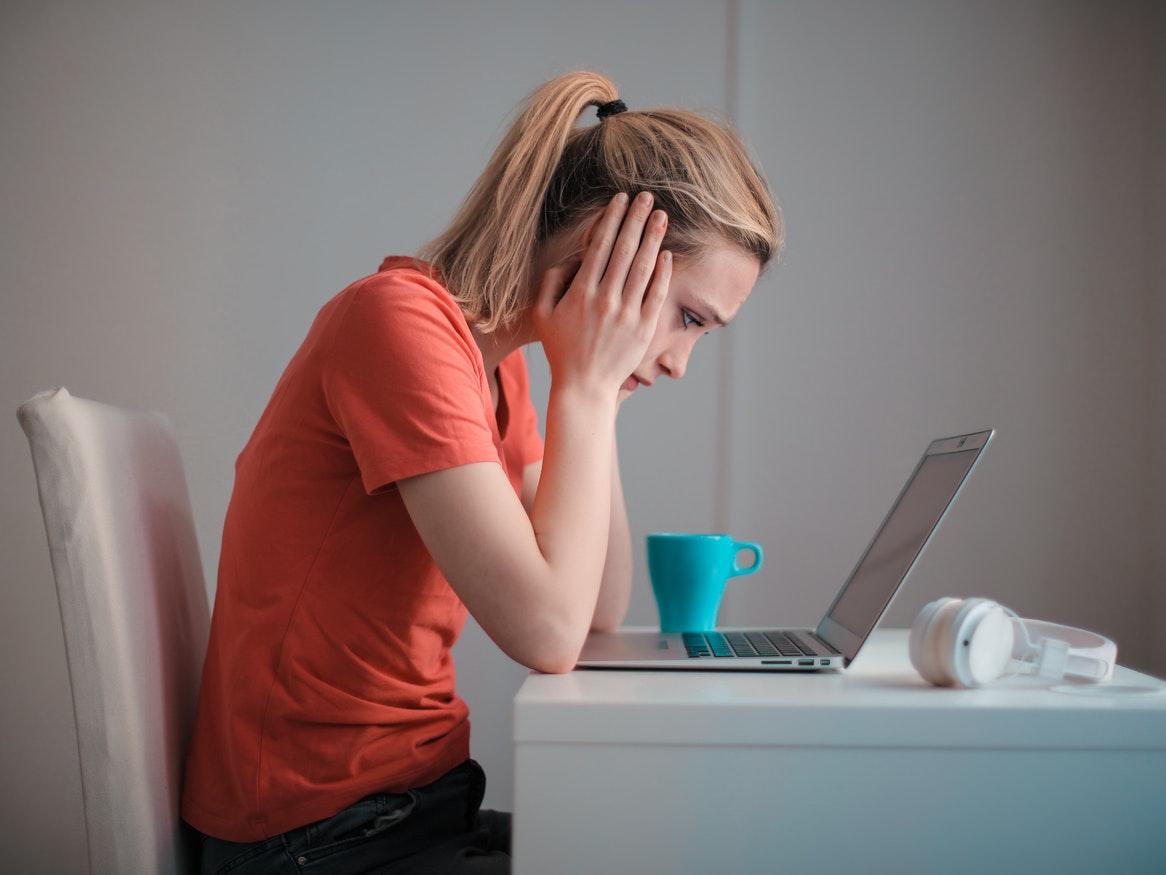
958,636
989,647
921,645
940,638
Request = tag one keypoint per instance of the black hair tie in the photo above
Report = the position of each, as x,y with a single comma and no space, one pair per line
611,108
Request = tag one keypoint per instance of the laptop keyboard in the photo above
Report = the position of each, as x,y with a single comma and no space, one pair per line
722,644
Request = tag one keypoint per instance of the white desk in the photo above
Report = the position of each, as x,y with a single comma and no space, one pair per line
867,770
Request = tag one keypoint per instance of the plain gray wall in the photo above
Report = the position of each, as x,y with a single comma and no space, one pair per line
973,240
1156,324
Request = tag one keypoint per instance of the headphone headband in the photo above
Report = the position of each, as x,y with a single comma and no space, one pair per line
1064,650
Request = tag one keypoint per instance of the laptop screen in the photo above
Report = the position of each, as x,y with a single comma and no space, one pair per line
900,540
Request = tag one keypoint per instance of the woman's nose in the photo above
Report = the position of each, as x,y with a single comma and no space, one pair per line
674,364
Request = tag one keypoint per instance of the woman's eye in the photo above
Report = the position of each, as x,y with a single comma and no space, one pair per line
686,319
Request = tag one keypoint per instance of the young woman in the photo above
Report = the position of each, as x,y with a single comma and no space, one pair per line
397,479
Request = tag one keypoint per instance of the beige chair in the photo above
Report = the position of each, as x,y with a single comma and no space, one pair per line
134,612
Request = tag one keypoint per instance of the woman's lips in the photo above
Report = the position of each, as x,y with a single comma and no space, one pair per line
630,383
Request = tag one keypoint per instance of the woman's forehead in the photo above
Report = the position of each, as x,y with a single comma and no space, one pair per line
723,276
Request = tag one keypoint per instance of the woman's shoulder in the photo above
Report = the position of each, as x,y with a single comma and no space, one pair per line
409,263
403,274
403,287
401,310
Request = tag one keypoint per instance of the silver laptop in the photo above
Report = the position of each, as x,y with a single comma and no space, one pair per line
859,605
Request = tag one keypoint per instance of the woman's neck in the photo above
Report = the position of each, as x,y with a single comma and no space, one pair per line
498,344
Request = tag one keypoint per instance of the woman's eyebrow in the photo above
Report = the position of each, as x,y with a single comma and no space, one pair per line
717,317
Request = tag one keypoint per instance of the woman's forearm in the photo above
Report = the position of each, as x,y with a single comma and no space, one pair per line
616,587
571,514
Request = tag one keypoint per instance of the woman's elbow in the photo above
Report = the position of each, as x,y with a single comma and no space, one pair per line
550,647
555,667
556,660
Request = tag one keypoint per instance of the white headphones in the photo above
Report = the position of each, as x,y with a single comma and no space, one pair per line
971,642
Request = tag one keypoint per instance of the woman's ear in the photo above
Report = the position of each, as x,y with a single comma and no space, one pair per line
589,226
572,246
572,268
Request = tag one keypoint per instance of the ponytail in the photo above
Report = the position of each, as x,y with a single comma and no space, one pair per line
487,254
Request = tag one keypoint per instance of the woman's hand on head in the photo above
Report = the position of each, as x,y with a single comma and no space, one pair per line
596,327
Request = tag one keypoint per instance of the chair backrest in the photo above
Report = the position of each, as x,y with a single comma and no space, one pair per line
134,612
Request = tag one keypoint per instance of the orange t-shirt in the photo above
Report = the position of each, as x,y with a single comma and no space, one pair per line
329,675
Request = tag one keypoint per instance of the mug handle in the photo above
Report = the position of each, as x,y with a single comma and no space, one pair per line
757,552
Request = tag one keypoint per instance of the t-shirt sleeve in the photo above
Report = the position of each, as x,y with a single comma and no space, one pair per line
529,443
402,382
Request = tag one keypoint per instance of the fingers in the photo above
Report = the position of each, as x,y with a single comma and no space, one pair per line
644,264
627,244
657,292
595,261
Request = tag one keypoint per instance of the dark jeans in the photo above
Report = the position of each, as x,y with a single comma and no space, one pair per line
434,829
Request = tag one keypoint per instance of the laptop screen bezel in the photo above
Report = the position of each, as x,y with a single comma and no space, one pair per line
837,635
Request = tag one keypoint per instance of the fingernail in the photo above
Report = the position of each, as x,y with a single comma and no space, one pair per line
667,257
621,198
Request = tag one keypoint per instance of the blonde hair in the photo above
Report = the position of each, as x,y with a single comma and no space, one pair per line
547,175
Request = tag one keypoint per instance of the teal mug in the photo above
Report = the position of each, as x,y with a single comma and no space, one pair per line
688,575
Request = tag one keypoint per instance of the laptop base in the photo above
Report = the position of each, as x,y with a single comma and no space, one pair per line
719,650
